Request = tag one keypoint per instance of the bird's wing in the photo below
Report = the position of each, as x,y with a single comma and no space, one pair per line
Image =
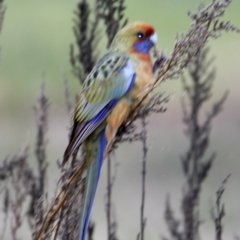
110,79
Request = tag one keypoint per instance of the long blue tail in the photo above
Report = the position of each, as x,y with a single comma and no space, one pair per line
93,173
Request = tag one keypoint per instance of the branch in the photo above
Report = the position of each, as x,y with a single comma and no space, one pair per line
218,213
206,24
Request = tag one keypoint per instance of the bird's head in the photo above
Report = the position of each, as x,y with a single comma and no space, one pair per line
138,37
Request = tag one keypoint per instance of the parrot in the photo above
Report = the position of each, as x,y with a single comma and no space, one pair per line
107,96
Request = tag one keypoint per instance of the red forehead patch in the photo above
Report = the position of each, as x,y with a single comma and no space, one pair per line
149,30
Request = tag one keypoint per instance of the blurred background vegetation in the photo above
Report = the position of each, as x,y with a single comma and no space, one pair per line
35,44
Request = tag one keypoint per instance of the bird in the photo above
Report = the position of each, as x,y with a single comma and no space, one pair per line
108,95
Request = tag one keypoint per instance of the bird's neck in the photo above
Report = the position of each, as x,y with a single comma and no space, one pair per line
142,58
145,57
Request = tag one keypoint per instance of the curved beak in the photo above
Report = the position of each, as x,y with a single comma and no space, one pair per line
154,38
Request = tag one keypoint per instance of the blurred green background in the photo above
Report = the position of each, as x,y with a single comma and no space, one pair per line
35,46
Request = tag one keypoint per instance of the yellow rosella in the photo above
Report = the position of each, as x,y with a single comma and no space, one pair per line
108,94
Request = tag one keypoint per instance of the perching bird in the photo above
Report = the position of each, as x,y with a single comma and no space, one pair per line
107,96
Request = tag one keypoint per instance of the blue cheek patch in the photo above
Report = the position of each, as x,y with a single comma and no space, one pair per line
143,47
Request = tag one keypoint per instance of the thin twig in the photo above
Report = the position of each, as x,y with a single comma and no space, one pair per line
144,171
206,24
67,94
111,178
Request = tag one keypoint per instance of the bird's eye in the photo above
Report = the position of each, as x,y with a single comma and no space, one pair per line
140,35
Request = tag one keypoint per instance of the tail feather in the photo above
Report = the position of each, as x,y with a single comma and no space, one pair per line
93,173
